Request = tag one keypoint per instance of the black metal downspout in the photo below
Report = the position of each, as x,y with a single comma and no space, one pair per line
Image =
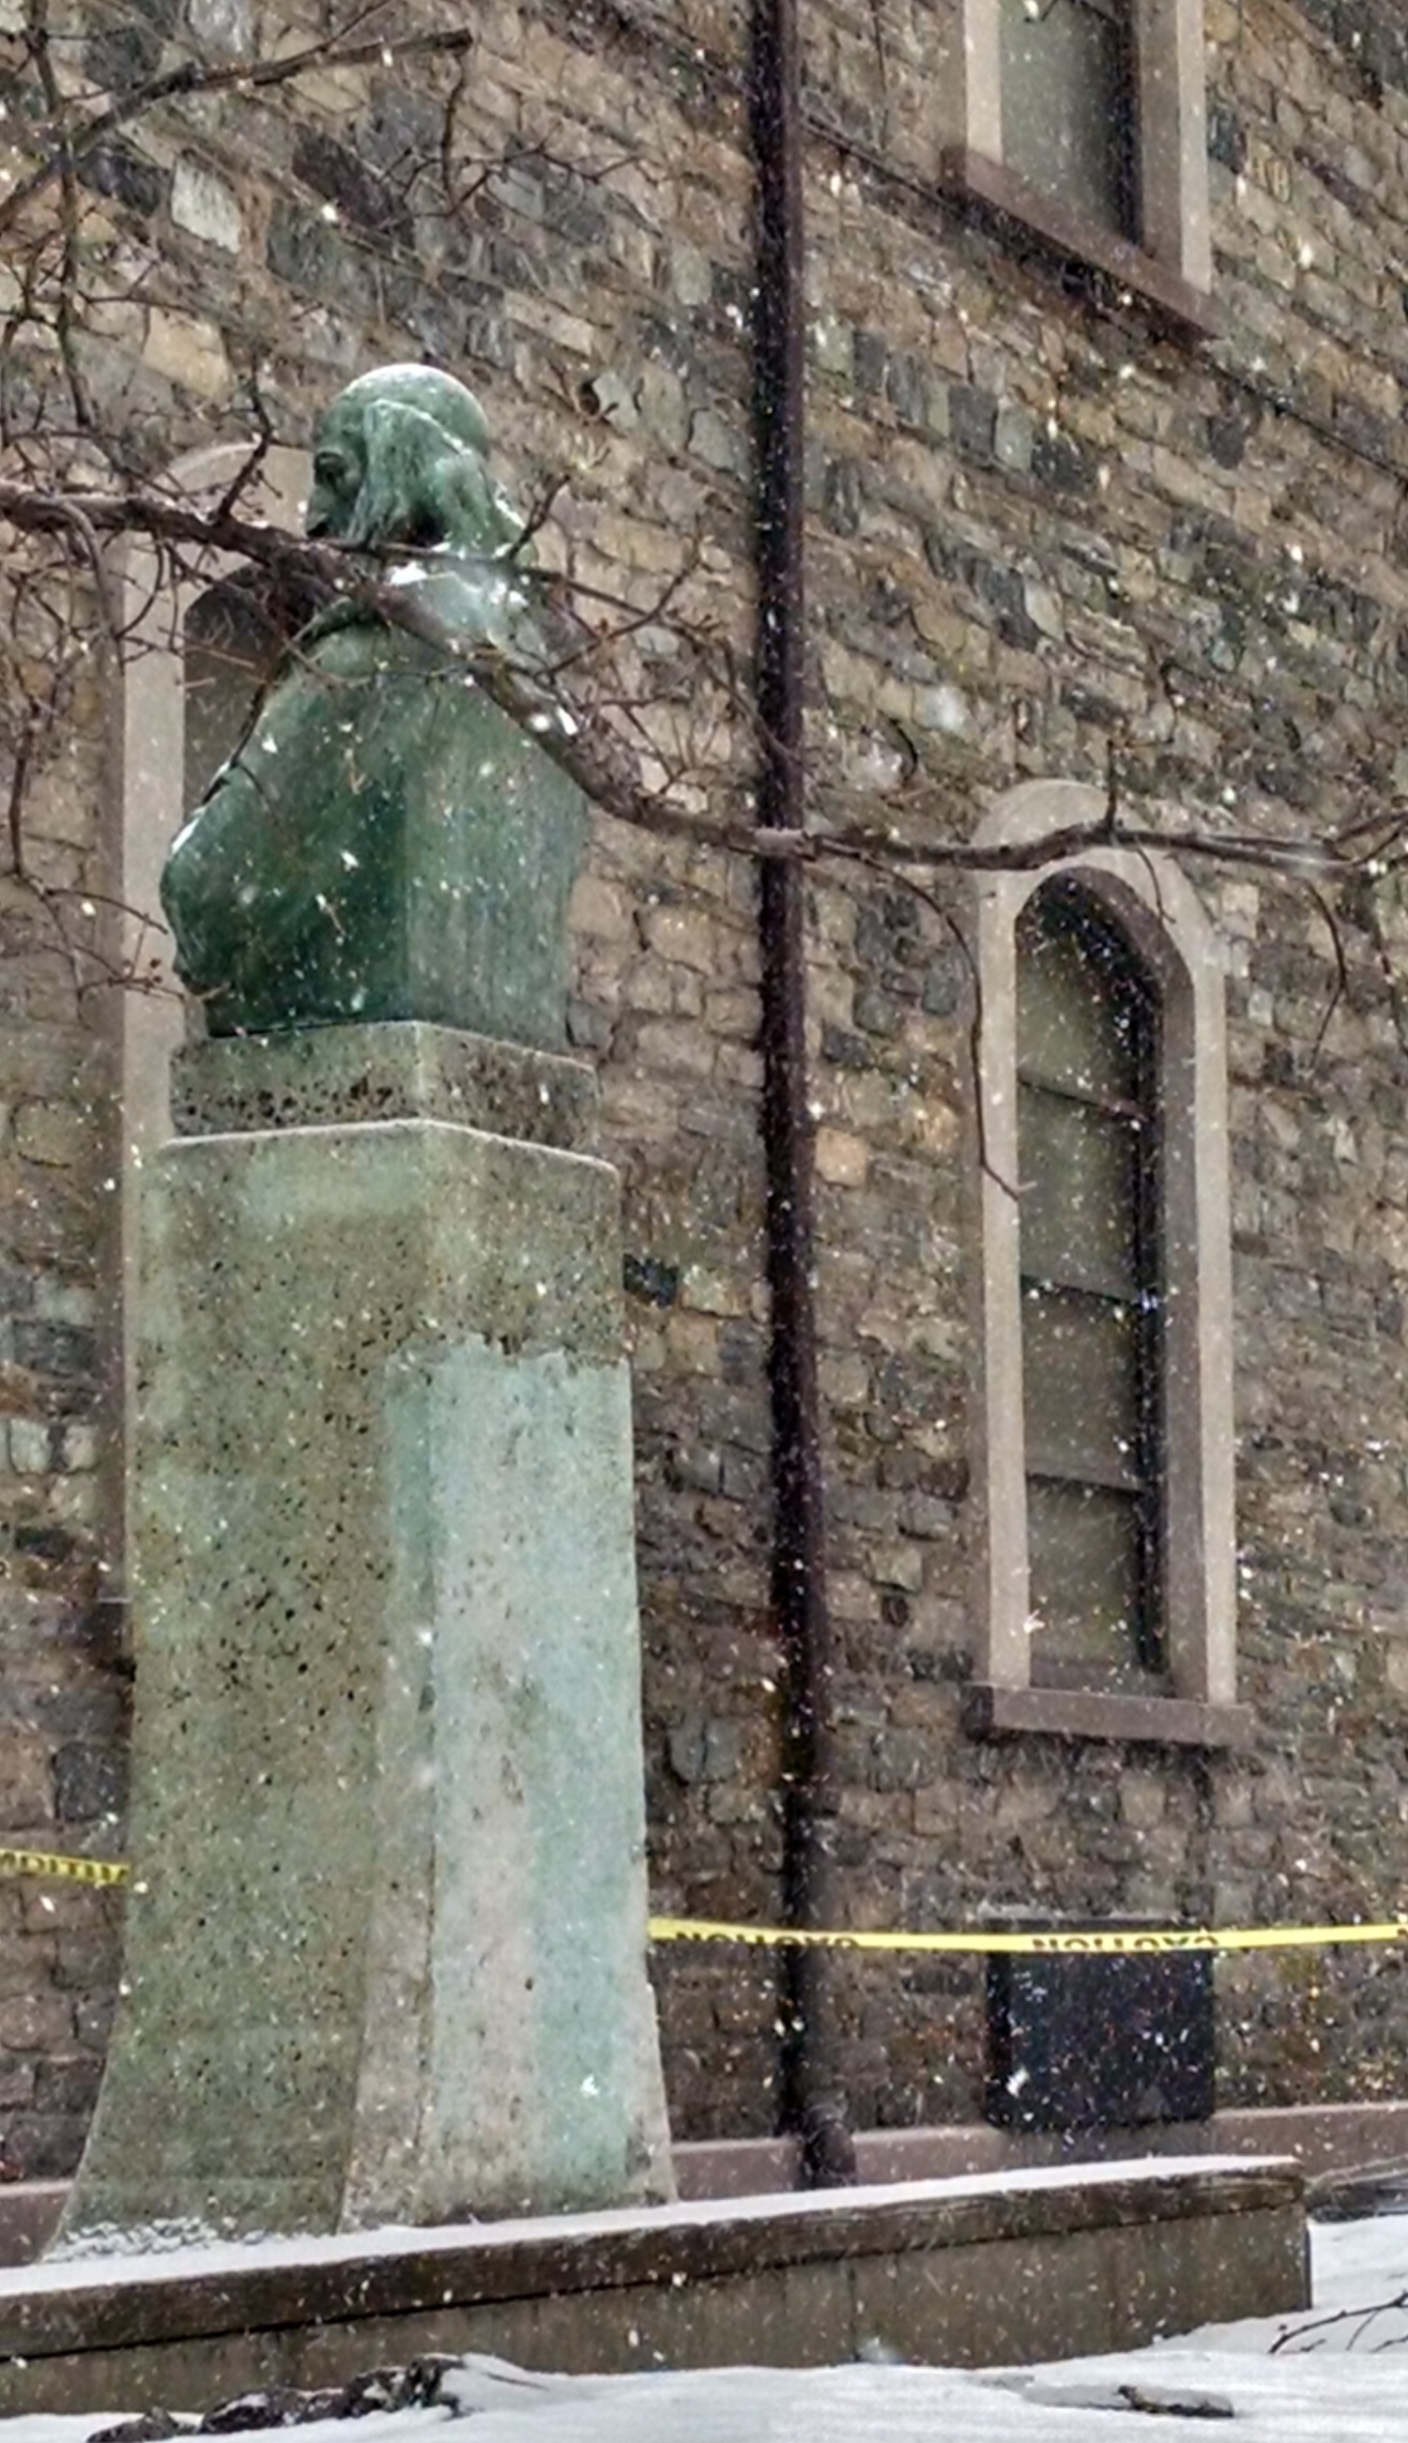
813,2100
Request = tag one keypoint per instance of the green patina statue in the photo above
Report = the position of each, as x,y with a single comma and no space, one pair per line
386,842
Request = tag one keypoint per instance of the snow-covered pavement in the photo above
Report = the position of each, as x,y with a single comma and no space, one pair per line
1333,2374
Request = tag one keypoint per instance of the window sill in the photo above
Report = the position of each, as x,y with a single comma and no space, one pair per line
1079,240
1077,1713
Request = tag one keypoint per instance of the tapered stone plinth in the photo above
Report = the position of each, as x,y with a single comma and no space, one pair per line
385,1953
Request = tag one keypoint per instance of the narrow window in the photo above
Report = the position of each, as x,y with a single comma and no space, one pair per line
1069,115
1091,1304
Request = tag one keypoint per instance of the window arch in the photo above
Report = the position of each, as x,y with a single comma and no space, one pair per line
167,642
1104,1438
232,636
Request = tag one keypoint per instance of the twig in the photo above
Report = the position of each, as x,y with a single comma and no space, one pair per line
586,748
1362,2316
197,77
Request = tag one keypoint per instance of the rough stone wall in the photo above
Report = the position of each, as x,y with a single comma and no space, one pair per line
1039,529
63,1716
1035,524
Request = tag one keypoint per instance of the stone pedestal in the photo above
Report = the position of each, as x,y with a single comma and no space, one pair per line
385,1951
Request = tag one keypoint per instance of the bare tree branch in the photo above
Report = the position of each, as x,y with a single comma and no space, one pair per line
198,77
587,745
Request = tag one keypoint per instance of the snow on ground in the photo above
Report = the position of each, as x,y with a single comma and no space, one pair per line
1334,2373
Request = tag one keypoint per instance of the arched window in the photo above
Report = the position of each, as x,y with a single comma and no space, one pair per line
1092,1306
1103,1383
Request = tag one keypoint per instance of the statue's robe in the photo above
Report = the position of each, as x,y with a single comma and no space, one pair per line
385,844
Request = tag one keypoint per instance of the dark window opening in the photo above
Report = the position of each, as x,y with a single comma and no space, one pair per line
1088,1150
1069,108
234,635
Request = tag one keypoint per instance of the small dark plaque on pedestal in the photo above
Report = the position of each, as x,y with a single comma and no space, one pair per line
1082,2041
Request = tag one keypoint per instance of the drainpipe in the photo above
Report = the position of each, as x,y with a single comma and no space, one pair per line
812,2098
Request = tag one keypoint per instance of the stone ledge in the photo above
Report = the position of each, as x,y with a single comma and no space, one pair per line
1328,2141
964,2272
1089,1713
1080,239
328,1076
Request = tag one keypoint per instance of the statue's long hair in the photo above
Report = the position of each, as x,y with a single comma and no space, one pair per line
422,487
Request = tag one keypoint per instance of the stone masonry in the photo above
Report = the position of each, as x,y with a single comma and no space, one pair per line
1039,524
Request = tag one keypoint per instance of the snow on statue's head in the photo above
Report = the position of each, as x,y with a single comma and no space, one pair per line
400,459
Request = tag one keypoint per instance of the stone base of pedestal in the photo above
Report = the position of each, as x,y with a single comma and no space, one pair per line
1070,2261
385,1952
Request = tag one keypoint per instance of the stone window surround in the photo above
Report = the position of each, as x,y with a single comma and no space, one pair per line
1153,901
1171,267
147,808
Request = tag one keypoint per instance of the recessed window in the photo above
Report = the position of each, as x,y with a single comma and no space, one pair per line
1084,122
1069,109
1087,1143
1104,1527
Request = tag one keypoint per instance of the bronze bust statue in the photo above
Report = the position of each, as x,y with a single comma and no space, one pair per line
386,843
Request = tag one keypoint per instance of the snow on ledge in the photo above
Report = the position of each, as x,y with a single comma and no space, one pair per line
139,2258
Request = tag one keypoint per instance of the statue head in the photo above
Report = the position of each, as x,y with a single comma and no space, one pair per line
400,458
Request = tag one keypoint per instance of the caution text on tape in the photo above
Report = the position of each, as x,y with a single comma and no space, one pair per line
62,1870
973,1941
979,1940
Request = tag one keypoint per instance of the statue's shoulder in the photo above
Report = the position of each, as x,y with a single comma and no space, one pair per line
348,641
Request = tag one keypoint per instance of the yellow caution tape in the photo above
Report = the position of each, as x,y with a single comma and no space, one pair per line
64,1870
974,1941
1094,1938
